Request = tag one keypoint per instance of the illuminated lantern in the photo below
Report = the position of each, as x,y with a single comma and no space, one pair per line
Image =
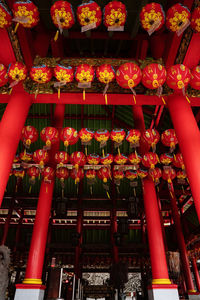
166,159
77,175
195,78
63,75
61,158
93,159
33,172
104,174
5,16
3,73
150,159
118,175
169,139
128,76
25,156
115,15
105,74
134,158
41,74
48,174
62,16
89,15
17,72
19,174
25,13
29,135
107,159
178,161
178,77
181,177
117,136
151,137
178,18
69,136
142,173
90,174
155,174
152,17
120,159
131,175
168,174
62,173
102,136
133,137
86,135
49,135
195,20
41,157
78,159
84,75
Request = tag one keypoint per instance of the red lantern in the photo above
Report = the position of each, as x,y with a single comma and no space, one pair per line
25,13
195,21
48,174
195,78
104,174
155,174
105,74
61,158
154,76
3,71
62,16
41,157
86,135
178,77
63,75
168,174
33,172
77,175
29,135
102,136
41,74
93,159
166,158
78,159
69,136
131,175
178,161
25,156
84,75
49,135
134,158
90,174
181,175
120,159
117,135
5,16
142,173
169,139
107,159
151,137
62,173
19,173
89,15
133,137
150,159
17,72
152,17
178,18
115,15
118,175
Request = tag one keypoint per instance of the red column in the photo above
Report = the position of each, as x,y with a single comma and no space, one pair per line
11,126
188,135
196,273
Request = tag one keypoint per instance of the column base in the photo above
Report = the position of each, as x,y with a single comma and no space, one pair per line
163,292
29,291
193,295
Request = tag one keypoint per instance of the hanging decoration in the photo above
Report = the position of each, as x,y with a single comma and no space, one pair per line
104,174
41,157
155,174
40,74
115,16
118,176
3,70
105,74
69,136
62,174
77,175
25,13
135,159
178,161
131,175
19,174
107,159
168,174
17,72
33,172
50,136
48,174
62,16
151,137
84,75
195,20
128,76
102,136
150,159
142,173
91,177
120,159
152,17
61,158
169,139
166,158
178,18
89,15
78,159
63,75
117,136
5,16
195,78
93,159
181,176
25,156
86,135
29,135
133,137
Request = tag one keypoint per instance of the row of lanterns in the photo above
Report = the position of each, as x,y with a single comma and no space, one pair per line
89,15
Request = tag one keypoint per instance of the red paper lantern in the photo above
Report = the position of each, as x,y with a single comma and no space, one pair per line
25,156
120,159
117,135
115,14
49,135
166,159
63,75
155,174
48,174
131,175
107,159
178,77
169,139
61,158
118,175
90,174
105,74
89,14
5,16
77,175
41,74
86,135
102,136
104,174
195,20
178,17
78,159
84,73
3,72
152,17
25,13
69,136
133,137
181,174
17,71
134,158
19,173
151,137
93,159
33,172
62,173
142,173
178,161
150,159
154,76
41,157
168,174
195,78
29,135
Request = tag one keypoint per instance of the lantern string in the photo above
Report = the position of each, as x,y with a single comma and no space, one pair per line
188,100
86,150
118,149
16,27
163,100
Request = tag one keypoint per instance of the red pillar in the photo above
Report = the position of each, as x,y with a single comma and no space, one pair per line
11,126
188,135
196,273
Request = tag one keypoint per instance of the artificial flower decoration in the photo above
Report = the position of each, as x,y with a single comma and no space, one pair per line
151,137
133,137
178,77
166,159
195,20
93,159
107,159
69,136
17,72
62,16
29,135
63,75
61,158
50,136
5,16
115,15
195,78
152,17
120,159
84,75
169,139
105,74
178,18
3,75
89,15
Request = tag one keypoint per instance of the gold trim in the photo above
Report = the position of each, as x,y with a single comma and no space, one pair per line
32,281
161,281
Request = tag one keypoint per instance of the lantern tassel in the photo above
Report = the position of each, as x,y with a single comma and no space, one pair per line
83,94
91,190
108,194
56,36
10,91
134,192
86,150
59,93
188,100
103,153
163,100
30,188
16,27
118,149
106,99
134,99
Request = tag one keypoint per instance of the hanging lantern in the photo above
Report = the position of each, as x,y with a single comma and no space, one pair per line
102,136
105,74
104,174
25,13
142,173
41,157
69,136
178,18
62,16
48,174
84,75
133,137
61,158
178,77
131,175
19,174
78,159
195,78
118,175
50,136
89,15
128,76
151,137
25,156
90,174
33,172
107,159
41,74
29,135
77,175
155,174
181,177
5,16
3,70
168,174
63,75
178,161
195,20
62,173
152,17
165,158
134,159
115,16
150,159
17,72
120,159
93,159
86,135
169,139
117,136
